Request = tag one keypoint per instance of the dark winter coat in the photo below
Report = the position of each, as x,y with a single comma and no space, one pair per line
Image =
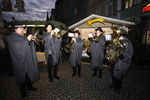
23,58
52,47
124,62
97,52
76,53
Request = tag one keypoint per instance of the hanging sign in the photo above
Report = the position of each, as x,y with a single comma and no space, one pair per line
147,8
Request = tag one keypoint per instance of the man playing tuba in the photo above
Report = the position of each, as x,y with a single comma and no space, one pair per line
122,51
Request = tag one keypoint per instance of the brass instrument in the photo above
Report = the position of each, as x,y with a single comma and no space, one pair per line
56,35
95,39
68,47
116,48
60,34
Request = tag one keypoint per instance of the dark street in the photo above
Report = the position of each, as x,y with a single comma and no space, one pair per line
136,86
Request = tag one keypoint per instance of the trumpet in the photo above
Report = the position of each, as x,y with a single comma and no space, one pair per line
93,37
58,34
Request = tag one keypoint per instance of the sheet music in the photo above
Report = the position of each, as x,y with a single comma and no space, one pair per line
56,30
71,35
90,35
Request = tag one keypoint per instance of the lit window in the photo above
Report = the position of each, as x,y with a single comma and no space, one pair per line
128,3
131,3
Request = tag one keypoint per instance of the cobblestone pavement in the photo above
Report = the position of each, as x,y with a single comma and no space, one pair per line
135,86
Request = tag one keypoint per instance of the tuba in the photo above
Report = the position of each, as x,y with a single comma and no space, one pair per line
115,48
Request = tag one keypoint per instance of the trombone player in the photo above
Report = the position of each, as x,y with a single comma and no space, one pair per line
97,51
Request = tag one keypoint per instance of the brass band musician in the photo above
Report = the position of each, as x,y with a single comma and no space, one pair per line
97,47
76,53
122,60
52,50
23,57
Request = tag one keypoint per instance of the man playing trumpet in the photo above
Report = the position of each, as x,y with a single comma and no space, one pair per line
97,52
23,57
76,53
52,50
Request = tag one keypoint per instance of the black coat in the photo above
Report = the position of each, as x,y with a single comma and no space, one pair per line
23,58
97,52
123,64
76,53
52,47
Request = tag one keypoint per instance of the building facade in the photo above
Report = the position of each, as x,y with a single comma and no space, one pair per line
69,11
137,11
1,21
20,6
131,9
6,5
96,7
100,7
72,11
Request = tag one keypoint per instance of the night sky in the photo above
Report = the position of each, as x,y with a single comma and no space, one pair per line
35,10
